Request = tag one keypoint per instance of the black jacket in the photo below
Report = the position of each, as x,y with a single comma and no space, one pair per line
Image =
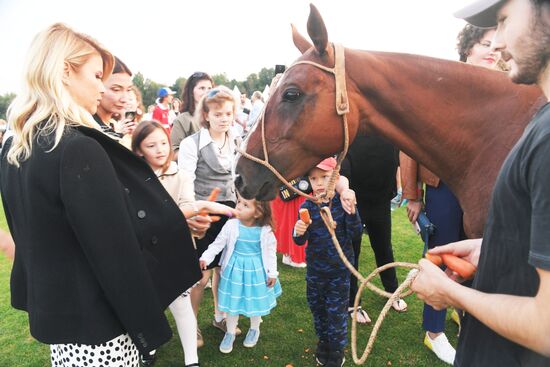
370,166
101,248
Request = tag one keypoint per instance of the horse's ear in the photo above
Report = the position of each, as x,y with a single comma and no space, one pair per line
317,30
300,41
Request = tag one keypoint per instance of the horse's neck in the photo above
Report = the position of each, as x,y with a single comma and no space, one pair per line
449,116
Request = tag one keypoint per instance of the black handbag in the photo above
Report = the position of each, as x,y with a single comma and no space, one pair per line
299,183
425,229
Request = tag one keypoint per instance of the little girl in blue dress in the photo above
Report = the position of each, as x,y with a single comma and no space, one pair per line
248,284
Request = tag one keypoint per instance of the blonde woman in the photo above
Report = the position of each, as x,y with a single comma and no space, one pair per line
94,231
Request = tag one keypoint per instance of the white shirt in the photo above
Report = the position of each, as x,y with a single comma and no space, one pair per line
188,157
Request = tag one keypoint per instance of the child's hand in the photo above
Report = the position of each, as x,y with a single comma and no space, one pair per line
348,201
203,265
271,282
300,227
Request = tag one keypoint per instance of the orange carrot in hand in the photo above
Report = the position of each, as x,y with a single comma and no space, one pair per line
304,216
212,197
460,266
435,259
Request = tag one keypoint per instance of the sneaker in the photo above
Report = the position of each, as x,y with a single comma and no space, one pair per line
441,347
297,265
396,201
200,340
335,358
148,359
321,355
455,317
222,325
251,338
226,346
286,260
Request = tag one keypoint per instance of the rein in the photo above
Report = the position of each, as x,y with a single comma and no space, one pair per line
342,109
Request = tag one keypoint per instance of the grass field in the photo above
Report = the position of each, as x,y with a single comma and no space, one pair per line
287,335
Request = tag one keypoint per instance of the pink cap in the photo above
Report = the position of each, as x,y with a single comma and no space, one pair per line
328,164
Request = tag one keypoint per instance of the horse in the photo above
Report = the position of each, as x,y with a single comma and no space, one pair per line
458,120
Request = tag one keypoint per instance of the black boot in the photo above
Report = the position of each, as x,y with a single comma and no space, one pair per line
322,353
336,358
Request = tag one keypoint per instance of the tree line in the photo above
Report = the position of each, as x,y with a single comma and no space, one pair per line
149,88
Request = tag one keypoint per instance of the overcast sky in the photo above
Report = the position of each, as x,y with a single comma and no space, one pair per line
170,38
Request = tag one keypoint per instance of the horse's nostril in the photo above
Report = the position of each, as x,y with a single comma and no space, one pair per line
238,181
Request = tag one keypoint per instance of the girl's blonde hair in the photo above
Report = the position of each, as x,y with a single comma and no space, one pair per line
43,96
215,97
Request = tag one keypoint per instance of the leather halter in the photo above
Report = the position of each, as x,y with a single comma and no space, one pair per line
342,109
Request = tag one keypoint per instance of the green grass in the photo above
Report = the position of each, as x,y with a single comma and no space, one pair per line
287,334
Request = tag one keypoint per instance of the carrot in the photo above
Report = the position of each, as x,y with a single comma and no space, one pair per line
214,194
212,197
435,259
304,216
460,266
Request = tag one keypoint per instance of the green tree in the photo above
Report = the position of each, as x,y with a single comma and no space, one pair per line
5,101
178,86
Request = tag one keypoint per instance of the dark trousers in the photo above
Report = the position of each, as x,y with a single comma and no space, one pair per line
376,217
444,212
327,297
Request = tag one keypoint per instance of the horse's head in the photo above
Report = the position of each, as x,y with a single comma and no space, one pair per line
301,124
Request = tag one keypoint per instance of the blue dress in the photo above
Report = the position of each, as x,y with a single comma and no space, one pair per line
243,285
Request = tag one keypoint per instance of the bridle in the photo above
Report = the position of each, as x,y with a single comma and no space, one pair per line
342,109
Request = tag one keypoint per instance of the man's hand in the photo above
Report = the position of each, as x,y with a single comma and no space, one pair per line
300,227
469,250
432,285
349,201
413,210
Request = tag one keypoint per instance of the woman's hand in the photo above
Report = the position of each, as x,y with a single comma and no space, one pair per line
199,224
413,210
271,282
125,126
211,207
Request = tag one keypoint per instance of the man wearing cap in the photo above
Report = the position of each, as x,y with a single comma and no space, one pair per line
162,109
508,308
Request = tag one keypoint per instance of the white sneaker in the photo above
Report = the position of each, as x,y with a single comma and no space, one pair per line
298,265
441,347
287,260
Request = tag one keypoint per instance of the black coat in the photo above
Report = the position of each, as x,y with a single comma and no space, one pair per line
101,248
370,166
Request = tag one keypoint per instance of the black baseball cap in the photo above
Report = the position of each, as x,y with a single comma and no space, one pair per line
482,13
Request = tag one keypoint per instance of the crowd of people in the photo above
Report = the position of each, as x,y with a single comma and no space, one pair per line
81,153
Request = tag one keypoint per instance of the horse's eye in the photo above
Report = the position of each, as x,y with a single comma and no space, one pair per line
291,95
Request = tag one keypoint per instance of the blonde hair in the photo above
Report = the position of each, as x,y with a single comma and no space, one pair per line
215,97
43,96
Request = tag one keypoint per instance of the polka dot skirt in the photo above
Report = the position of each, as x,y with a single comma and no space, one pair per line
118,352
